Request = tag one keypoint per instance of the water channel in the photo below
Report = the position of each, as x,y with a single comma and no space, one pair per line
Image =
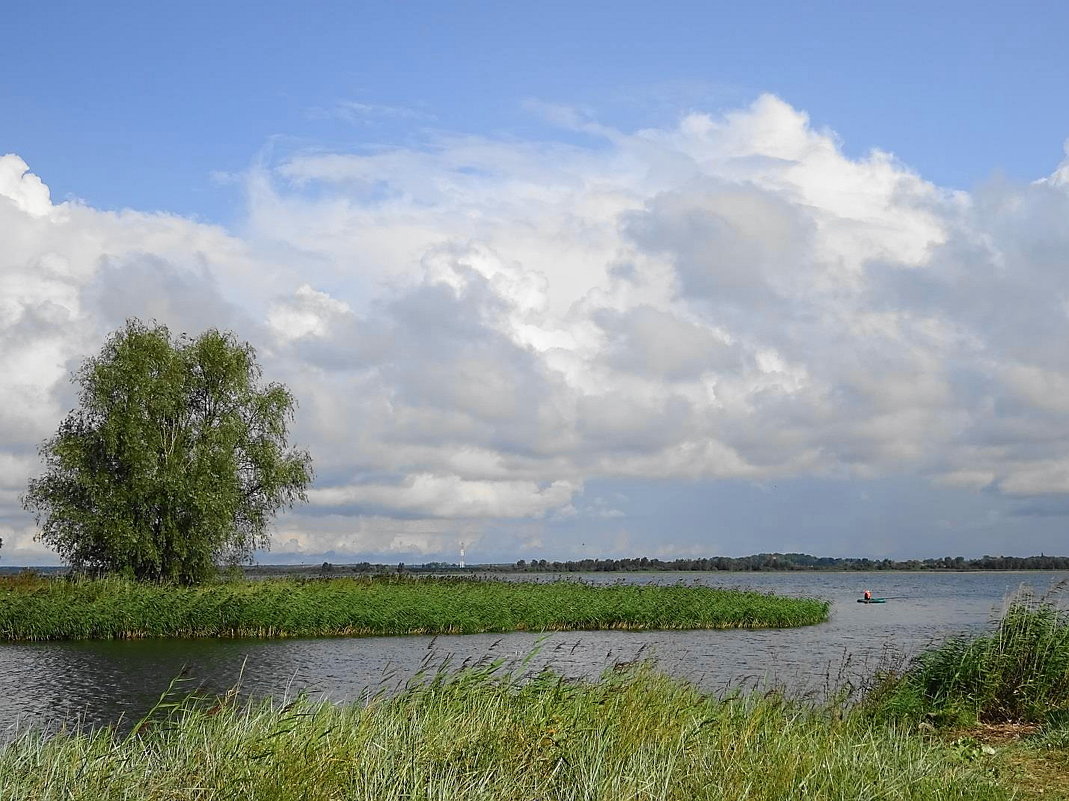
46,685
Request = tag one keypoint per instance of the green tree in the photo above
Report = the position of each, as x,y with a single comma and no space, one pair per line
175,460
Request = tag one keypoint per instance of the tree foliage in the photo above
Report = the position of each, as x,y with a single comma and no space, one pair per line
176,458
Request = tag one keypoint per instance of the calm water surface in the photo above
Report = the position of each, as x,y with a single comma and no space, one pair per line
97,682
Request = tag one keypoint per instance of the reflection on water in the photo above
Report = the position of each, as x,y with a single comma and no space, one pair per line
100,683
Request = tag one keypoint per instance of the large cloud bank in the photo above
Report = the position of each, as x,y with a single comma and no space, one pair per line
476,327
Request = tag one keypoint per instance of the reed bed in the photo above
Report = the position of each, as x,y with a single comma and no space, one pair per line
114,608
1017,673
476,735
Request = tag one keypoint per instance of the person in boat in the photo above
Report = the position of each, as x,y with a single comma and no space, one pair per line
868,595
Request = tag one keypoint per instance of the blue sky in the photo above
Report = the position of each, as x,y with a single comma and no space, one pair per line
130,104
876,326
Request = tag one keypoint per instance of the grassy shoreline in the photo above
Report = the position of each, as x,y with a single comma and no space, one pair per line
476,736
483,734
33,609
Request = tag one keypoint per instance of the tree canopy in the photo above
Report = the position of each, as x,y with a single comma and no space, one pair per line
175,460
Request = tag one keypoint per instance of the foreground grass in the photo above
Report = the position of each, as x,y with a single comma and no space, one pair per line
40,609
475,735
1041,765
1034,761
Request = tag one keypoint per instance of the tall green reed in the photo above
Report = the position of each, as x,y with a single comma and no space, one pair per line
480,734
116,608
1018,672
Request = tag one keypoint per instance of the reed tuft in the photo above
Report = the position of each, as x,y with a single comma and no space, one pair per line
1019,673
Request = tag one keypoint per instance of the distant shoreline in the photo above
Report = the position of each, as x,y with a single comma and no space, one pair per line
758,563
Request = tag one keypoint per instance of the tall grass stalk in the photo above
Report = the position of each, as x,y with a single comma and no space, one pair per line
476,735
115,608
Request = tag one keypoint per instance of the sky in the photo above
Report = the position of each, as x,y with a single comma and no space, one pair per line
569,280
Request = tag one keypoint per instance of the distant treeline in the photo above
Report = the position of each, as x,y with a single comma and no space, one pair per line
796,561
755,562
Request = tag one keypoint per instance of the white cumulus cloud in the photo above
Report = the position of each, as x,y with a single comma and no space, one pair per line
477,327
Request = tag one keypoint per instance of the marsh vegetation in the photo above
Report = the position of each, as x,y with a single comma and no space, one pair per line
113,608
1018,673
478,734
985,717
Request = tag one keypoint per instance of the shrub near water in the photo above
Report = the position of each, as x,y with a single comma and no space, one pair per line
113,608
475,736
1020,672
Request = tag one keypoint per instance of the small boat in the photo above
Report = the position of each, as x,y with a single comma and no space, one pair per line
872,601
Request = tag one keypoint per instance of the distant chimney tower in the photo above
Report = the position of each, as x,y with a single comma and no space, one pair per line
462,554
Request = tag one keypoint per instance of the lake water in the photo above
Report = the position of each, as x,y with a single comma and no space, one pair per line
98,682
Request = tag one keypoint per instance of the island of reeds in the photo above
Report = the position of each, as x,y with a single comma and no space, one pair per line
974,720
37,608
